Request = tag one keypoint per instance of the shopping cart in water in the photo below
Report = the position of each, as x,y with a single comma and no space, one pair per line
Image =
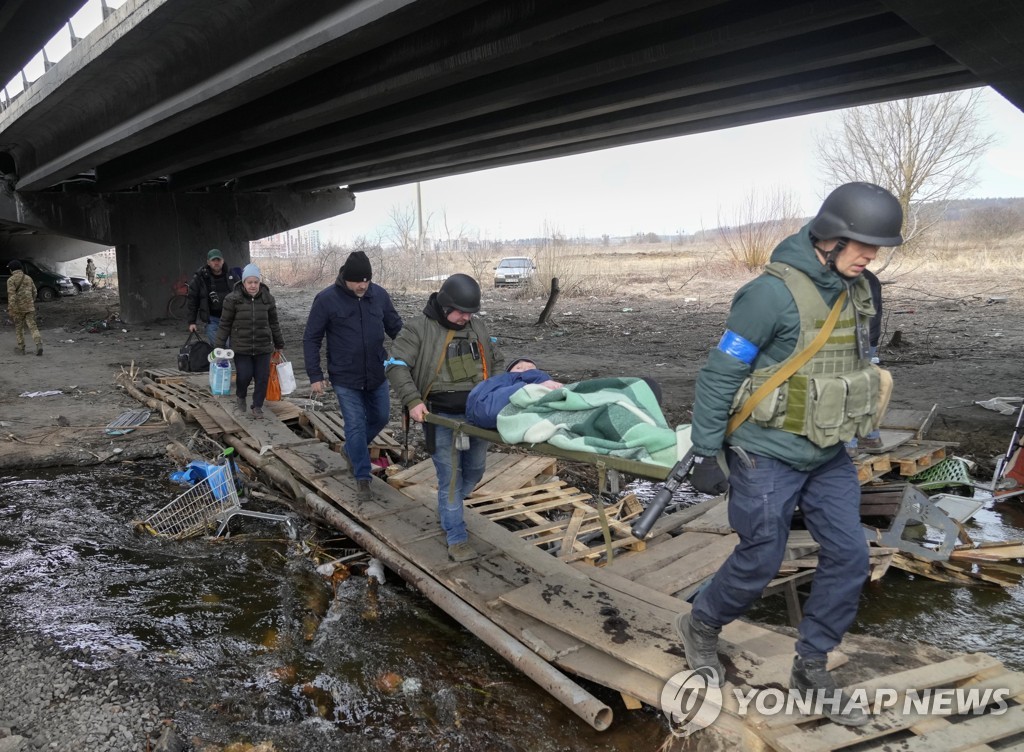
209,504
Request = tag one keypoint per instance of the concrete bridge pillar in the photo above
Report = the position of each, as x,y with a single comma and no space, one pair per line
162,238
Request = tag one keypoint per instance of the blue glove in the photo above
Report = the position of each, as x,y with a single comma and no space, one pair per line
707,477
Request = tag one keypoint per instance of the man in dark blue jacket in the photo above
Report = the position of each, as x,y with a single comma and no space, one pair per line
354,314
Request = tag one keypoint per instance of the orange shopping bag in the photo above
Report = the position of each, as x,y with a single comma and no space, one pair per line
274,385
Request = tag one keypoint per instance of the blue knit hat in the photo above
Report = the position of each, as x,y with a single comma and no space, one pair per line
251,270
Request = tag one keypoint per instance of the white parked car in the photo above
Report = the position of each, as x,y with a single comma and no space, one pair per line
514,270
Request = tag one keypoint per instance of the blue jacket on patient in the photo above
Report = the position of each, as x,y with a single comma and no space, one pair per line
489,396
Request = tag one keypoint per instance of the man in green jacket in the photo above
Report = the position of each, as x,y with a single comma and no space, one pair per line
789,452
21,305
435,362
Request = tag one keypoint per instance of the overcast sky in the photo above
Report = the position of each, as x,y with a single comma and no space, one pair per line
680,184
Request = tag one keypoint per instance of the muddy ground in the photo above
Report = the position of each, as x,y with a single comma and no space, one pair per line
951,351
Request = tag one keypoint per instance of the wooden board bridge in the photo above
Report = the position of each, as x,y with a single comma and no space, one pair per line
564,578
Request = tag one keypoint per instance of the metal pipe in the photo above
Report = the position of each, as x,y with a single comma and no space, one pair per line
549,678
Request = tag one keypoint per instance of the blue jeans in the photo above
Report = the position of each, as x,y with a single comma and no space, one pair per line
365,412
211,331
761,504
468,472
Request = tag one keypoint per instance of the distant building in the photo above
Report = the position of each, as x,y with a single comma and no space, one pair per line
286,244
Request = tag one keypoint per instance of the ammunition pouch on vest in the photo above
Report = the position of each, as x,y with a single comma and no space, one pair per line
835,395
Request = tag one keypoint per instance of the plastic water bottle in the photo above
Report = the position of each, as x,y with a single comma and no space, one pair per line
220,372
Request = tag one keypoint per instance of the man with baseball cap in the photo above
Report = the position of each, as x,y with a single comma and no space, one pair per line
210,284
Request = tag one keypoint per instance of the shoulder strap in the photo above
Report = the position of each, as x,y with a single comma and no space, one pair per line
444,351
791,366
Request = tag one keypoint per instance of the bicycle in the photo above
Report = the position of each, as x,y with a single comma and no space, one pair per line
177,305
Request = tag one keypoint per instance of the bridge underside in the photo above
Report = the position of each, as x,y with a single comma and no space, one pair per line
189,97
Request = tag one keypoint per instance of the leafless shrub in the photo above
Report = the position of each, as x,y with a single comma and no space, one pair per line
759,223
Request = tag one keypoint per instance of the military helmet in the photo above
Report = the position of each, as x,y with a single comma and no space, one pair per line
860,211
461,292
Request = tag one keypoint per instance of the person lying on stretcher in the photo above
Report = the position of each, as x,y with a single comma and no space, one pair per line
488,397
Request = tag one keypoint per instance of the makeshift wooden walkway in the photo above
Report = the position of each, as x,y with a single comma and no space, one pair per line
563,578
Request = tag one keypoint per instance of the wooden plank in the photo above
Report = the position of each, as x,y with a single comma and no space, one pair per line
917,421
497,536
507,476
571,531
615,623
692,568
554,485
601,548
662,554
284,410
715,520
799,734
944,674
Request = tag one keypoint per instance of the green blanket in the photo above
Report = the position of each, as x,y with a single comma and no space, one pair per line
613,416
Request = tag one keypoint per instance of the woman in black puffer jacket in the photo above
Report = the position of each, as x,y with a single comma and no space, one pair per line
249,318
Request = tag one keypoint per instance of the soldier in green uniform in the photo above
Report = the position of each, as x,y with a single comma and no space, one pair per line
21,305
789,451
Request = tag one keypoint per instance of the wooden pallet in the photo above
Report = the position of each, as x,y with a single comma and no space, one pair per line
912,731
872,466
505,472
329,427
917,455
557,516
166,375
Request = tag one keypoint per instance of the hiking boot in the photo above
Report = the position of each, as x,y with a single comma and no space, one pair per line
810,674
461,552
363,491
240,405
700,641
39,349
257,413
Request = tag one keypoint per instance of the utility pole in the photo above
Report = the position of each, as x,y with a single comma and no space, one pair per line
419,221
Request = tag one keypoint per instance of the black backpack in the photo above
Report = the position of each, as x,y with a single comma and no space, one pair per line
194,355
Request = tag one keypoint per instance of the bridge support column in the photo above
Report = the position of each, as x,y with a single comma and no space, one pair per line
163,237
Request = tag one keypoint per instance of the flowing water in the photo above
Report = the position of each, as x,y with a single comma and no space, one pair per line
248,642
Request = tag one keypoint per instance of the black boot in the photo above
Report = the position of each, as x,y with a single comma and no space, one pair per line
810,674
700,641
363,491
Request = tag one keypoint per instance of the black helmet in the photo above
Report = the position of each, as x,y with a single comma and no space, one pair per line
461,292
860,211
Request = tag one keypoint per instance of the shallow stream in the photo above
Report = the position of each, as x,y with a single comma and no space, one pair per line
250,643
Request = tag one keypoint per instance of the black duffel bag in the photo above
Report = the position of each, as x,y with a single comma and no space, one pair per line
194,355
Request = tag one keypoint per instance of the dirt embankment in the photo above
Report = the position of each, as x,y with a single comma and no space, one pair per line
950,352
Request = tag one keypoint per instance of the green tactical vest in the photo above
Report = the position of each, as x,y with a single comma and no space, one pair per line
833,396
464,362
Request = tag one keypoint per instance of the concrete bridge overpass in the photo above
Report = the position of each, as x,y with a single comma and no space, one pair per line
179,125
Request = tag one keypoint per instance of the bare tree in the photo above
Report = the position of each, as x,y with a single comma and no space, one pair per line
401,230
925,150
760,222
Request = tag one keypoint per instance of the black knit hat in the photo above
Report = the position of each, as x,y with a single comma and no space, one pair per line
14,265
357,268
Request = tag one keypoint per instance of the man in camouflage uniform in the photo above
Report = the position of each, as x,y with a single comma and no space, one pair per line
21,305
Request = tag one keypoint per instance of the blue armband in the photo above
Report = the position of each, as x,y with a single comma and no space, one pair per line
739,348
394,362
